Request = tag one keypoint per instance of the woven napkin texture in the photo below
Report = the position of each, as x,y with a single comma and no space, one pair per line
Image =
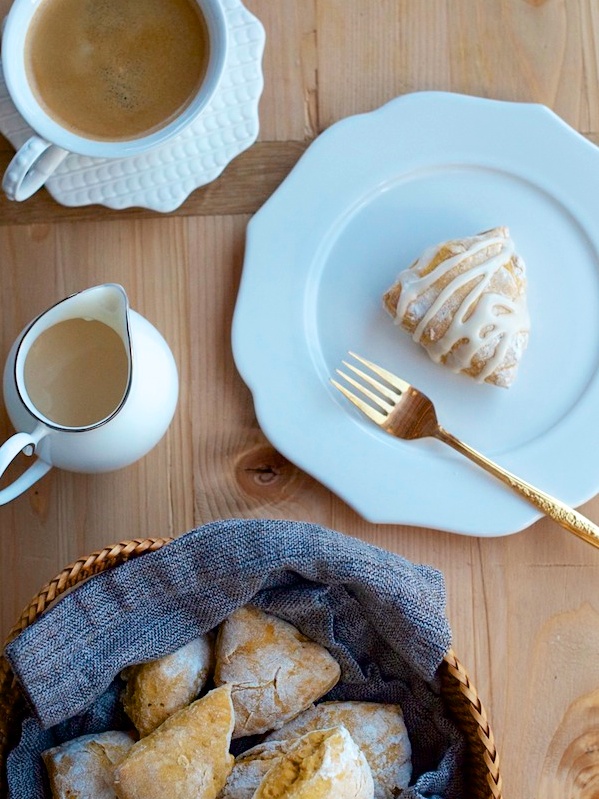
382,618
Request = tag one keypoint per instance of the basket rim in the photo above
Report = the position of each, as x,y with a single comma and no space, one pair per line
114,555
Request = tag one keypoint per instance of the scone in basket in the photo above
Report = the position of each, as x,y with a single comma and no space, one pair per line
59,650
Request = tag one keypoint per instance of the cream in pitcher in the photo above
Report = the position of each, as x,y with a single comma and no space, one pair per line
90,386
76,372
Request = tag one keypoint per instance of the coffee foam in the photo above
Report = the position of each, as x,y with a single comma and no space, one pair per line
116,69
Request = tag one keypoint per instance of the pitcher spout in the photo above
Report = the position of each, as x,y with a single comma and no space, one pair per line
107,303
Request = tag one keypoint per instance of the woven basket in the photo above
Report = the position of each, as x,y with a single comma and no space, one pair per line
482,777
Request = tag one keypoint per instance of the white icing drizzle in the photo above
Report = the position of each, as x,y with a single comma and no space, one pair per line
495,323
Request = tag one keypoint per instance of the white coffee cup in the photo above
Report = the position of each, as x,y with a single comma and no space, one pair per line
37,159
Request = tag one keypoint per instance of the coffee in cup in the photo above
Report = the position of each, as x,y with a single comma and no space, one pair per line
107,78
116,69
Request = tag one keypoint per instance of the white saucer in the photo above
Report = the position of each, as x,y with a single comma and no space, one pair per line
164,177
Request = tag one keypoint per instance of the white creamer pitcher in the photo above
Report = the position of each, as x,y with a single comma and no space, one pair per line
90,386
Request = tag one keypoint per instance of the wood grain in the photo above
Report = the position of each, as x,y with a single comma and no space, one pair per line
523,608
242,188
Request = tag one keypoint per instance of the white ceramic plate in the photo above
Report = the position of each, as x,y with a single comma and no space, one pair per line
366,198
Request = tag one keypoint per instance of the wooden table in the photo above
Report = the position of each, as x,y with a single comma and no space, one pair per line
524,608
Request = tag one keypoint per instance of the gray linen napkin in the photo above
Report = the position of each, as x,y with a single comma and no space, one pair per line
382,618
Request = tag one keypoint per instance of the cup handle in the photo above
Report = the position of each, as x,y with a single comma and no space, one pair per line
8,452
31,167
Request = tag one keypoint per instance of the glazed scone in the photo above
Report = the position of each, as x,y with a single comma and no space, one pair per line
156,690
324,764
465,302
187,757
377,728
250,767
84,767
274,671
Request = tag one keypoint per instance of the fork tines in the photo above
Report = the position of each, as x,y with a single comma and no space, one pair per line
388,394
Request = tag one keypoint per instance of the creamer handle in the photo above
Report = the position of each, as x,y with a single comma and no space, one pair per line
8,452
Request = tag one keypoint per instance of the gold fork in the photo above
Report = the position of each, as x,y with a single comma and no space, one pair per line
405,412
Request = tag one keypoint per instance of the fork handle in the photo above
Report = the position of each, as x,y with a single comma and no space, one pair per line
560,512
